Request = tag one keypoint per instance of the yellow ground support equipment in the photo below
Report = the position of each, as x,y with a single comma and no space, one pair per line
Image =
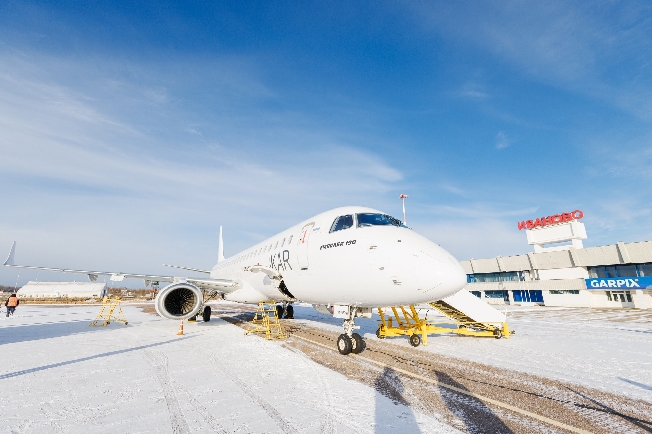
111,310
408,323
266,321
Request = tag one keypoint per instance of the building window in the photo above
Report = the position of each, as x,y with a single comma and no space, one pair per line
477,293
532,296
564,291
626,270
644,269
507,276
619,296
497,294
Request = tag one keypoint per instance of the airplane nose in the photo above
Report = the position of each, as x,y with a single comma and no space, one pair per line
440,275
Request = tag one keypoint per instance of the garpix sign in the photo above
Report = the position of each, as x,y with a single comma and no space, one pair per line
607,284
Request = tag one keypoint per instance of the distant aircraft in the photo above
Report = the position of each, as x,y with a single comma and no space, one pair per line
344,262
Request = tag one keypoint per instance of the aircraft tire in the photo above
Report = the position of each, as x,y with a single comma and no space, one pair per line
344,344
289,312
206,314
279,311
415,340
358,343
378,335
498,334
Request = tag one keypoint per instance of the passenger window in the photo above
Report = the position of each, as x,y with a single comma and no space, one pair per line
290,239
275,246
283,243
342,222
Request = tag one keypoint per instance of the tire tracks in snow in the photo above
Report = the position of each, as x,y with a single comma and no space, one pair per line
159,362
284,424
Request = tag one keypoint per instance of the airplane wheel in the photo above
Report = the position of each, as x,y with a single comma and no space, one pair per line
206,314
378,335
279,311
192,319
344,344
289,312
358,343
415,340
498,334
126,323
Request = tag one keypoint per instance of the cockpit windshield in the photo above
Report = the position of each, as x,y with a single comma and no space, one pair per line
342,222
368,219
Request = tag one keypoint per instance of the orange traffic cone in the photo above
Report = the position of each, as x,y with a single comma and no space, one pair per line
180,332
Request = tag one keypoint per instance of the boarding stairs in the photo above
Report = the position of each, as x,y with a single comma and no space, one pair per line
467,315
460,318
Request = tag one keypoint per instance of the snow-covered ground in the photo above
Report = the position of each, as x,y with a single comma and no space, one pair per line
609,350
57,374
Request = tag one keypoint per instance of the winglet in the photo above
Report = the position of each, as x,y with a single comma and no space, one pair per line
10,258
220,248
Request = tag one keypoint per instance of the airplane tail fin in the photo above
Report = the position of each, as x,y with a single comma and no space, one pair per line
10,258
220,248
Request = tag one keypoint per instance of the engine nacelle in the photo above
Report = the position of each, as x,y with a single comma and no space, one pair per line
179,301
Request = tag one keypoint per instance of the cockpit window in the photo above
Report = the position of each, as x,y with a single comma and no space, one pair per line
369,219
342,222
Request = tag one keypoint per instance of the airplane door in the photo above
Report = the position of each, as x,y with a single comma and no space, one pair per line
302,248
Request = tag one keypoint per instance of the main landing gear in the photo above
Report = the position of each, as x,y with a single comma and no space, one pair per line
284,311
350,342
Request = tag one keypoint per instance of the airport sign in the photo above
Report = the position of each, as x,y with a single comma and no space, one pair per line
606,284
555,219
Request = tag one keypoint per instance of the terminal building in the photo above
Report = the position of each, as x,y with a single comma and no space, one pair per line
561,272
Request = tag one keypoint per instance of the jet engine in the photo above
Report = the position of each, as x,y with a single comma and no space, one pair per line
179,301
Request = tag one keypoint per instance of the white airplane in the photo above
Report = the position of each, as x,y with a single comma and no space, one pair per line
344,262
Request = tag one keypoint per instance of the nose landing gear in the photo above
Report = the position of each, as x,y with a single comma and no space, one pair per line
350,342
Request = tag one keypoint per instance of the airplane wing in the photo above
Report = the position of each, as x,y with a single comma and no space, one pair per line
224,285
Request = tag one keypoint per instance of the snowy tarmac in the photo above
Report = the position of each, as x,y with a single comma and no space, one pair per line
606,349
60,375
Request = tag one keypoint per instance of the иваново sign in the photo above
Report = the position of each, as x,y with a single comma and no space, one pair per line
551,220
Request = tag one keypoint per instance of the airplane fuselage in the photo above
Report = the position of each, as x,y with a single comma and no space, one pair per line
346,256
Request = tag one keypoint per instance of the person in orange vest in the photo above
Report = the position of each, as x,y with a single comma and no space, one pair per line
11,304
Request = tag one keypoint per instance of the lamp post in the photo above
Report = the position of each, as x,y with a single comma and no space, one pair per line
403,197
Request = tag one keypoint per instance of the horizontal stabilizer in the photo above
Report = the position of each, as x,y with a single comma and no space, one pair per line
187,268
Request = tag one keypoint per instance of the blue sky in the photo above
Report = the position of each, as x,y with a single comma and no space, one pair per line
129,132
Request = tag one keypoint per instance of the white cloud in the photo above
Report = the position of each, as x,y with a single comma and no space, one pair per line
502,140
115,178
573,46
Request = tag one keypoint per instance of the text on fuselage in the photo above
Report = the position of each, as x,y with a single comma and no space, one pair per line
338,244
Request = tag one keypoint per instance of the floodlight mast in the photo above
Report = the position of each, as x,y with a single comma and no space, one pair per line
403,197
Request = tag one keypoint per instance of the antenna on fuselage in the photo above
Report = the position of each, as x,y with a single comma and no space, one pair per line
220,248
